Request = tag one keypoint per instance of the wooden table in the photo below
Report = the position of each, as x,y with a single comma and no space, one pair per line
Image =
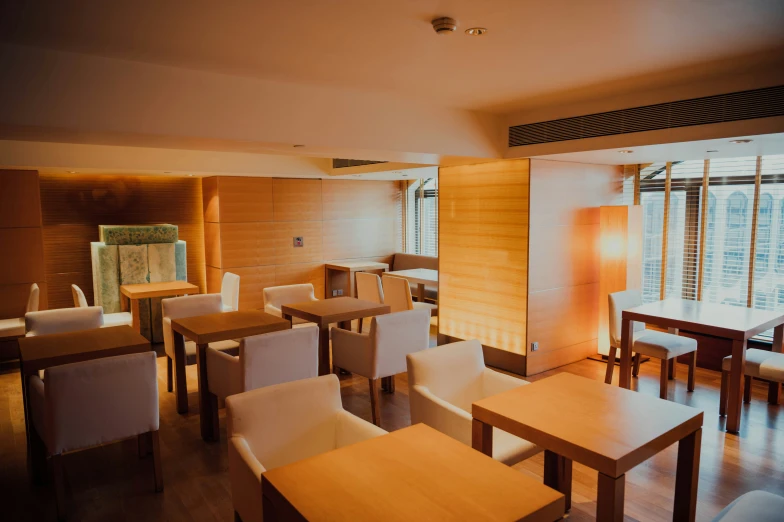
341,310
211,328
416,473
350,268
130,295
44,351
419,277
604,427
729,322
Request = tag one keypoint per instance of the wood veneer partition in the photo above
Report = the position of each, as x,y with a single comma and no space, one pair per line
250,224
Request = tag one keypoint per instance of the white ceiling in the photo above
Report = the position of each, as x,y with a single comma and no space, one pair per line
532,48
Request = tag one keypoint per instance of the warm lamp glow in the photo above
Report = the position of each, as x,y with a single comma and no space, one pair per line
613,246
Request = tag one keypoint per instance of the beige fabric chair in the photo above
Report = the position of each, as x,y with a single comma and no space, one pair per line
230,292
115,319
368,289
277,296
760,364
188,306
277,425
15,327
62,320
754,506
443,383
659,345
397,294
87,404
382,353
403,261
264,360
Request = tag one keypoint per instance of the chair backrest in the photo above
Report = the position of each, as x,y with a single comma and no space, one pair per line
287,422
230,292
100,401
277,296
185,306
62,320
33,299
80,301
397,293
452,372
410,261
618,302
369,287
397,335
278,357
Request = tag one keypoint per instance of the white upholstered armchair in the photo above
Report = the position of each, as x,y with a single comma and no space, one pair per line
230,292
115,319
277,425
445,381
62,320
277,296
15,326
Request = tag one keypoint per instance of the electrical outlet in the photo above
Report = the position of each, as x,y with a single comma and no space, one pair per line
299,242
335,293
534,346
340,292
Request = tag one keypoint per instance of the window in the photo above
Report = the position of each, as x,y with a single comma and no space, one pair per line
735,238
780,256
422,217
764,221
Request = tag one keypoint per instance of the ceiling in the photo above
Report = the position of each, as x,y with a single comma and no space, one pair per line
532,48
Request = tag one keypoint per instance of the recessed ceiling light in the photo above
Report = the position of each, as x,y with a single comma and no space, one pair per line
167,172
625,151
71,172
295,146
476,31
711,151
191,175
740,141
405,175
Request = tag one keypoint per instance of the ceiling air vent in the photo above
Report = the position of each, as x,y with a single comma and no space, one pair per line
339,163
736,106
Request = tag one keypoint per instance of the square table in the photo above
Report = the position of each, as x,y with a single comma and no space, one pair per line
604,427
351,268
420,277
416,473
130,295
211,328
341,310
729,322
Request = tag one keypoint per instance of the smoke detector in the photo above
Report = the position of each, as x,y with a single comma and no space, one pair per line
444,25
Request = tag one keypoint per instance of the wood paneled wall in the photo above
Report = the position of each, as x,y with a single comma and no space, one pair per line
73,205
483,253
250,225
563,290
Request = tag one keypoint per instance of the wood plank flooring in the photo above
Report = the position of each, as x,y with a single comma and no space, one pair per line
112,483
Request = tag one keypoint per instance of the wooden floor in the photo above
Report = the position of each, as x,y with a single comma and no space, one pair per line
112,483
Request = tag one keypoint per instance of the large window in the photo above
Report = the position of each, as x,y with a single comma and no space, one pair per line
422,217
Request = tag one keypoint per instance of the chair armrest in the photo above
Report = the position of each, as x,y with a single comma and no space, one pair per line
353,352
273,310
494,382
439,414
223,373
245,478
350,429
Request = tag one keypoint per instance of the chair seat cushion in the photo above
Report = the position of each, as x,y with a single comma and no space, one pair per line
759,506
510,449
429,306
761,364
12,327
117,319
190,346
663,345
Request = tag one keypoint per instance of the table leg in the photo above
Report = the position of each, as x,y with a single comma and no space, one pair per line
558,475
609,499
625,377
135,317
25,408
351,283
208,402
687,476
482,437
324,362
421,292
735,388
180,385
328,282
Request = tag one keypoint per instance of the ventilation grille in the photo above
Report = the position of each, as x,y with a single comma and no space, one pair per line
339,163
746,105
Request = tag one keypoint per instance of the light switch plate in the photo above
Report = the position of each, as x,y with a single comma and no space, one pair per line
534,346
298,241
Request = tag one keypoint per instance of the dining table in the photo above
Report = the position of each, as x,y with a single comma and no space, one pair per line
132,293
422,277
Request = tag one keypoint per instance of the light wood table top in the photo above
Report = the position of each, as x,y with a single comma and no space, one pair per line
44,351
205,329
356,266
605,427
420,276
146,290
729,322
416,473
336,310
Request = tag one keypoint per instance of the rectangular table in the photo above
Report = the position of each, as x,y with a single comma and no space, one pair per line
416,473
734,323
211,328
419,276
604,427
350,268
341,310
130,295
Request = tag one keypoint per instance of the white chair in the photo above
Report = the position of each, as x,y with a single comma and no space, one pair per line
397,294
62,320
15,327
369,289
230,292
443,383
760,364
277,296
264,360
277,425
382,353
91,403
659,345
754,506
115,319
188,306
